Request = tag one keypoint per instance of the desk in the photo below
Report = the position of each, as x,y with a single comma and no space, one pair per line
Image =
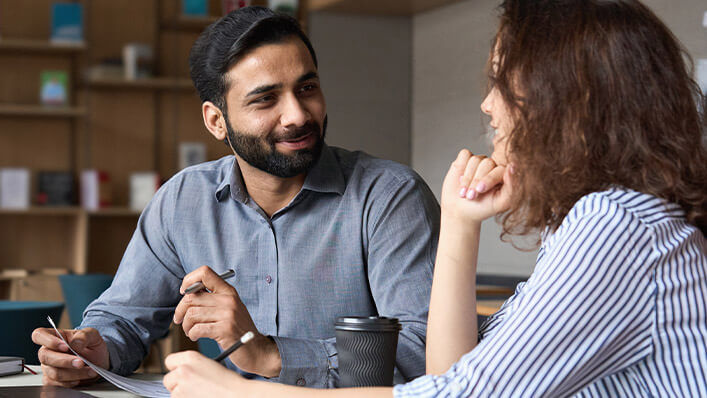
101,389
488,307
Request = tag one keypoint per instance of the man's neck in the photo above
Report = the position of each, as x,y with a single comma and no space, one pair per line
270,192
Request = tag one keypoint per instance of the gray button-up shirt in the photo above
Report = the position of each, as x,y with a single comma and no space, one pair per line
358,239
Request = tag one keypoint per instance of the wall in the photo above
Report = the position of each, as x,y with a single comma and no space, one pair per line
450,47
409,89
364,67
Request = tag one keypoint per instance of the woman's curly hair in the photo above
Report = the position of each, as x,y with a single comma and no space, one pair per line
602,96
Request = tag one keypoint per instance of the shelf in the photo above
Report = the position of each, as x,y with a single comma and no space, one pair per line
40,46
189,23
155,83
43,211
377,7
71,211
114,212
41,110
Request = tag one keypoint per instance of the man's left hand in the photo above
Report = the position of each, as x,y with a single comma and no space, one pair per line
222,316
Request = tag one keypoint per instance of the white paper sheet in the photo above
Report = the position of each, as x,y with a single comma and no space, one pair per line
151,389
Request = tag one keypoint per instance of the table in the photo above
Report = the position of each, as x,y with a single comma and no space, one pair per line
488,307
101,389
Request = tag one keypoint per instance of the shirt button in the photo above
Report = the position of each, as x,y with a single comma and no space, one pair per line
301,382
268,279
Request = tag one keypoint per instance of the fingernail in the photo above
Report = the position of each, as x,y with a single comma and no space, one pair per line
462,193
471,194
512,169
63,347
77,363
481,187
92,373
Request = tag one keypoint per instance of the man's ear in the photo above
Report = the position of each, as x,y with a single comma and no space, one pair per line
213,120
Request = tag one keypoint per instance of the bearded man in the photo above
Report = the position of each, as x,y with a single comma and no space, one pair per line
312,232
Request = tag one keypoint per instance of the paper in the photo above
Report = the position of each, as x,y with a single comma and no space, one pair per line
151,389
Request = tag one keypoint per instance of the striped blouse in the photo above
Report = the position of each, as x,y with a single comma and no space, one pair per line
616,307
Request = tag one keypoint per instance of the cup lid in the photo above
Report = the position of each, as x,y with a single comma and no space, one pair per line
367,324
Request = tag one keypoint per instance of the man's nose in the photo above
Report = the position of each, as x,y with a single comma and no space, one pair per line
294,114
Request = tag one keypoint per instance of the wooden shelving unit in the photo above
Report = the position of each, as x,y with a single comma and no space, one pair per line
42,111
377,7
156,83
40,46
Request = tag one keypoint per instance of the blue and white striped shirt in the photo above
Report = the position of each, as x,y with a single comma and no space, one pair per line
616,306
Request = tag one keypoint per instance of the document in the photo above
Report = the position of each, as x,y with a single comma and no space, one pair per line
150,389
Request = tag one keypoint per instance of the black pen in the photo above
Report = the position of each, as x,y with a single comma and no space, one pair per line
244,339
198,285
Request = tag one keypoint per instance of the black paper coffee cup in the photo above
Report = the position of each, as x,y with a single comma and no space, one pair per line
366,347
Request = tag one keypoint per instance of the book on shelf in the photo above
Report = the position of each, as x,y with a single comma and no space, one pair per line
54,271
95,189
195,8
231,5
14,273
14,188
55,188
11,365
143,186
54,87
287,7
191,153
67,23
137,61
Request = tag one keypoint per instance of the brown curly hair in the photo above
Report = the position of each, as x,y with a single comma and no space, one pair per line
605,98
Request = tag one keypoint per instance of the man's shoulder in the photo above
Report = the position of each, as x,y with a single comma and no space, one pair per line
211,173
361,166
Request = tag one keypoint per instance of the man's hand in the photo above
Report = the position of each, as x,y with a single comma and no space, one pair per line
60,367
222,316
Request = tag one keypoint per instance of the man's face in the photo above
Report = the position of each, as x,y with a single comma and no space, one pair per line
276,109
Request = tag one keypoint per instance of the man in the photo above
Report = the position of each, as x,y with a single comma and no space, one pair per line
312,232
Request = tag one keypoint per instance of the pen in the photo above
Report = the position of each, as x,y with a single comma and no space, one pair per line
198,285
244,339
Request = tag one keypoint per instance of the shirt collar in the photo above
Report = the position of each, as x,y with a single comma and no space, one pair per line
325,176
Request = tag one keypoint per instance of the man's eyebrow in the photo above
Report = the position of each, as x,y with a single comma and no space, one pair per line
263,89
307,76
270,87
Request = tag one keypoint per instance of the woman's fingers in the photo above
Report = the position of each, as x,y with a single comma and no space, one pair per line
469,171
492,179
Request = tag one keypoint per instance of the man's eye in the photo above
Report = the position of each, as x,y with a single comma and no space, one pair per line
307,87
264,99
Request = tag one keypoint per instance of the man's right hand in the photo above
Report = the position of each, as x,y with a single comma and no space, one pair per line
60,367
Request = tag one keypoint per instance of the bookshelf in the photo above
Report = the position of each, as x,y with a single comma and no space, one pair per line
377,7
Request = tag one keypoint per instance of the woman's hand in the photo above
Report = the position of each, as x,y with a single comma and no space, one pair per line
194,375
475,188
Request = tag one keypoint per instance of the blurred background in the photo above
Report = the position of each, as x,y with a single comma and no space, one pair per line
97,110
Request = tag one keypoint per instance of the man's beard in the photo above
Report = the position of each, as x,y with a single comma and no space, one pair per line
260,152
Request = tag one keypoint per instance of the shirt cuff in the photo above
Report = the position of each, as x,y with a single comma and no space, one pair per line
310,363
120,362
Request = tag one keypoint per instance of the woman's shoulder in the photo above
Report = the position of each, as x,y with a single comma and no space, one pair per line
621,210
619,202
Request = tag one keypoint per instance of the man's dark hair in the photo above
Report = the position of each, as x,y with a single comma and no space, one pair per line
228,40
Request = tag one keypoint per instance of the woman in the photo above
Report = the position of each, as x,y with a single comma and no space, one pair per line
599,147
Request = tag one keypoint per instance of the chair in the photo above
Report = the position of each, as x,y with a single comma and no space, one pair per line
80,290
19,319
208,347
